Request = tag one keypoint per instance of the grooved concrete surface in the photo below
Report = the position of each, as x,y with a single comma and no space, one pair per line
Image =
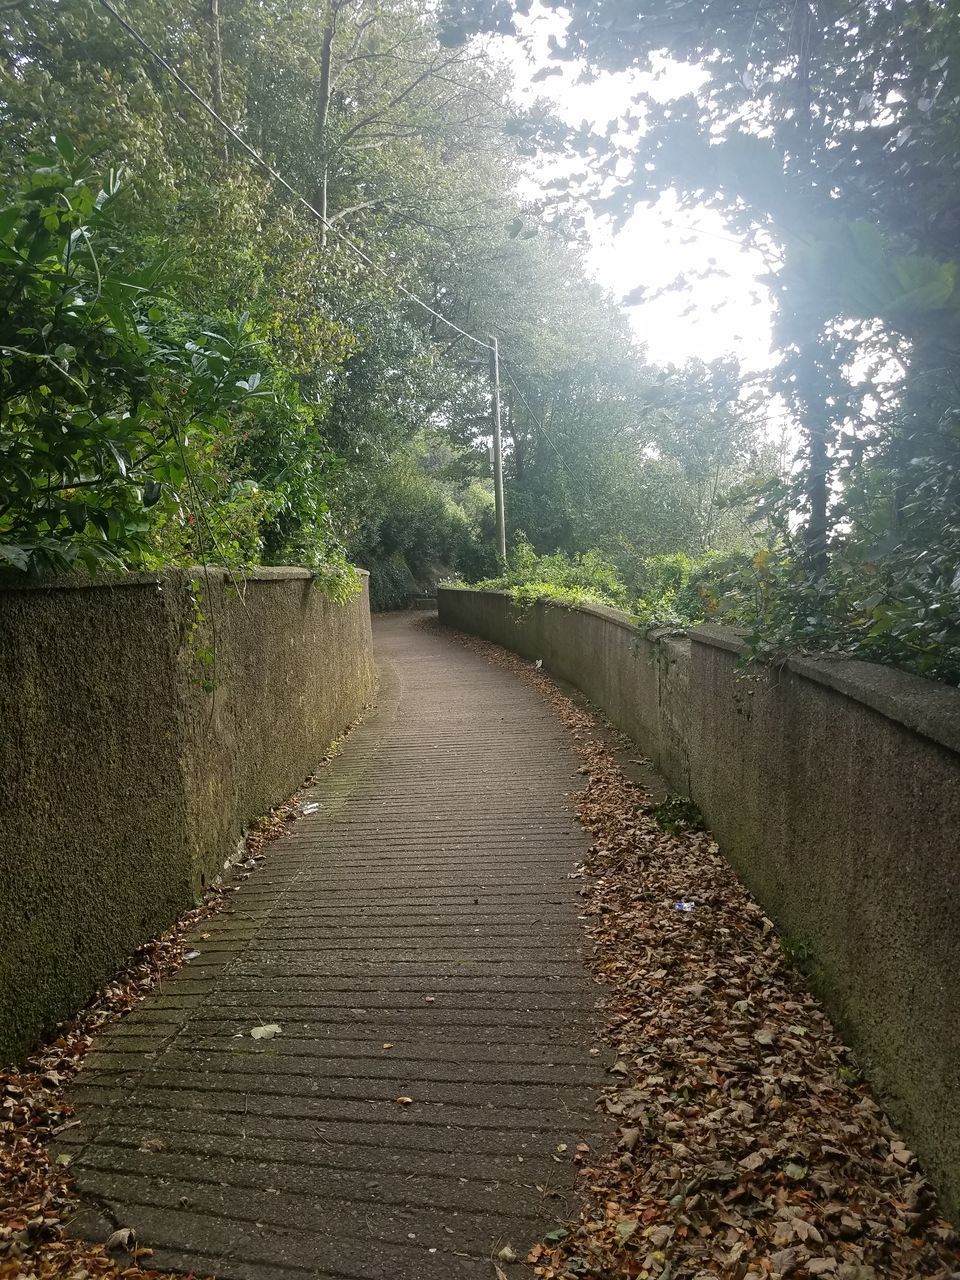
426,905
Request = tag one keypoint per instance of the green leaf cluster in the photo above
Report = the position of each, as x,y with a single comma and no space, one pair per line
560,579
129,427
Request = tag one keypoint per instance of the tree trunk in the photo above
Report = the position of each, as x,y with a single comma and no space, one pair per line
817,498
323,112
514,432
816,417
216,71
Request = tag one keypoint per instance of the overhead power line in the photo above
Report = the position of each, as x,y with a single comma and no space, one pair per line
278,177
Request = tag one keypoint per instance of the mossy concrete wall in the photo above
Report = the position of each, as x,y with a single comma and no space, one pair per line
833,787
124,784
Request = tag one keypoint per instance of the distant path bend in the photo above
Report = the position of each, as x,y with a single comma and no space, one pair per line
415,937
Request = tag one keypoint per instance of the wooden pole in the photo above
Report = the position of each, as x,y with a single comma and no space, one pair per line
497,448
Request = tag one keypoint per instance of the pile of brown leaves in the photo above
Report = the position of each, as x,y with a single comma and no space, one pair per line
36,1195
748,1144
36,1198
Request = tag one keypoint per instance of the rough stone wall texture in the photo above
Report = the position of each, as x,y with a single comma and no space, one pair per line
834,790
124,785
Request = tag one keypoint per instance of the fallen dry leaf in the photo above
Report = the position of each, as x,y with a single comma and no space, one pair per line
751,1148
124,1238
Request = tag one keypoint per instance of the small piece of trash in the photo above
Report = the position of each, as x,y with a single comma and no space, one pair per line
539,663
684,906
190,955
404,1101
507,1254
266,1032
310,808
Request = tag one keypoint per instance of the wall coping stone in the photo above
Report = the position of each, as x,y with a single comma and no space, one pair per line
607,612
14,580
924,706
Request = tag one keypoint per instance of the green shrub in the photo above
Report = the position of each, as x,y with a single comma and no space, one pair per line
572,580
410,533
134,433
902,609
680,590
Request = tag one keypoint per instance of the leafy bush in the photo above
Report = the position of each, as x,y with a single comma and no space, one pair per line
679,590
573,580
897,611
128,428
902,609
410,533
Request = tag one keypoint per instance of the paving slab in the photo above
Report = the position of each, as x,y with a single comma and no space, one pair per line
415,936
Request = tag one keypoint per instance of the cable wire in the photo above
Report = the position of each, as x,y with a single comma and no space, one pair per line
278,177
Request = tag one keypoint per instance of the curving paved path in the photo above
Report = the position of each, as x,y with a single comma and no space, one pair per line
416,937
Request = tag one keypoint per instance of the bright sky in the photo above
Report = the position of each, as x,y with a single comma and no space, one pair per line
728,313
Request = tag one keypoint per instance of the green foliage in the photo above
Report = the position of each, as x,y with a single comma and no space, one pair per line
893,610
410,532
127,426
324,451
901,607
677,814
191,369
654,461
801,953
559,578
828,136
679,590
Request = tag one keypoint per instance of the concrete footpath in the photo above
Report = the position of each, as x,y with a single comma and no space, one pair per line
415,937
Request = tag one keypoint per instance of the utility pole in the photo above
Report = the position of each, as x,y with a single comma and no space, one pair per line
497,447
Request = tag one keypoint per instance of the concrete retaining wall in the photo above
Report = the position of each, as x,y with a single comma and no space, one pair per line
834,790
124,784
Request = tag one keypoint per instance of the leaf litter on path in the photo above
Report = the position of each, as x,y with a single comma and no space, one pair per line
748,1145
37,1197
